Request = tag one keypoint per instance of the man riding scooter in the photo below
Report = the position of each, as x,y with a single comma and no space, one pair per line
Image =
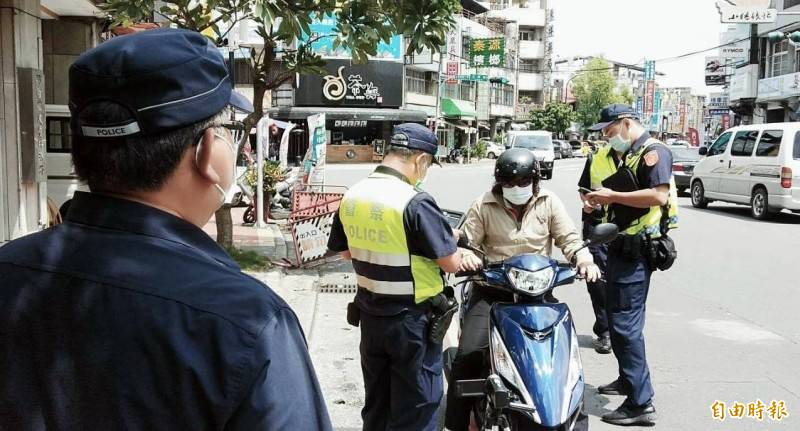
514,217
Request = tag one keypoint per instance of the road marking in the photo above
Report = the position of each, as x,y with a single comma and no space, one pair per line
736,331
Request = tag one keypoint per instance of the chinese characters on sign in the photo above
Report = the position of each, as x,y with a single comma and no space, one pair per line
649,70
452,71
776,410
487,52
743,15
648,98
335,88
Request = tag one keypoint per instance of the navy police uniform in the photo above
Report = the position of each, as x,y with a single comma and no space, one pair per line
628,274
394,233
128,317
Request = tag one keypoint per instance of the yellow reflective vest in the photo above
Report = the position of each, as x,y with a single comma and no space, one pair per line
371,213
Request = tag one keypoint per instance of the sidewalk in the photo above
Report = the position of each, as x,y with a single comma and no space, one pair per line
273,241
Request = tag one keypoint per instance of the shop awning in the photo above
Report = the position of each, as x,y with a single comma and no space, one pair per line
368,114
454,108
463,127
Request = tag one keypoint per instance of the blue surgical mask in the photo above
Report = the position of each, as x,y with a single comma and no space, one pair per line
619,144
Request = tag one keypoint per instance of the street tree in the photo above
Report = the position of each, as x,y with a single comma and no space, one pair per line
594,88
556,117
624,95
284,28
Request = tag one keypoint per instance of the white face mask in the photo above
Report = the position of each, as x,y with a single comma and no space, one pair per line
518,195
226,195
618,143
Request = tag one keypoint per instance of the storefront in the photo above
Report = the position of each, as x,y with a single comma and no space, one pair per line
361,102
460,123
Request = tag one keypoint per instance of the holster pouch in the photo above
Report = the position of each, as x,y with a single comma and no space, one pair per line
353,314
661,253
443,308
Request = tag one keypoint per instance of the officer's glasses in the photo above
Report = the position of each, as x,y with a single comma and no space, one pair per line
518,182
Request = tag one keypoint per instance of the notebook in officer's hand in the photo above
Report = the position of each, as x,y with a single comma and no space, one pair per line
624,180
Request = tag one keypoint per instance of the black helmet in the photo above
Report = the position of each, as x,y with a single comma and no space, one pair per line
516,163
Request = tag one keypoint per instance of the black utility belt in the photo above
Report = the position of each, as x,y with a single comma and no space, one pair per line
629,246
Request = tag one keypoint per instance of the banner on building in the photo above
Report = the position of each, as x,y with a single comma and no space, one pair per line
452,72
694,137
489,52
715,71
314,162
683,116
726,122
640,108
650,70
323,35
747,11
649,97
654,121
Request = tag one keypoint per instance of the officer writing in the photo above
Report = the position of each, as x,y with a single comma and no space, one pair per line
128,316
641,201
399,242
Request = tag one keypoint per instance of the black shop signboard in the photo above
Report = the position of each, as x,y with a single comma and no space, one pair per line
377,84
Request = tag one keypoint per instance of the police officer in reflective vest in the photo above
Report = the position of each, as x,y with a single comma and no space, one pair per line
641,200
599,166
399,242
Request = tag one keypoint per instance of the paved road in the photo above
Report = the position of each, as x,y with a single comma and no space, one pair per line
721,325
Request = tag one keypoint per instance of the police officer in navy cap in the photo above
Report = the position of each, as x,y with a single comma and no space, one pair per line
639,195
399,242
128,316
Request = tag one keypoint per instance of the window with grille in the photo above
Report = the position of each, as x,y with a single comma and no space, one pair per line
780,63
790,3
59,135
418,82
502,94
529,66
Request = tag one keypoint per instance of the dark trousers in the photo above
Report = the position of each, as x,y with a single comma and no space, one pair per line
626,303
472,347
597,291
402,373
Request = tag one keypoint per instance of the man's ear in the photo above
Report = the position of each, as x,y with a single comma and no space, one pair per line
203,159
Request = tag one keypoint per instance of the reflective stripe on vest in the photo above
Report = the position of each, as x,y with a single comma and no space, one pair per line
372,216
650,223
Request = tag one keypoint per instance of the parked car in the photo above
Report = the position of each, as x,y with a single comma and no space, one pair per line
577,149
493,149
683,162
540,142
757,165
562,149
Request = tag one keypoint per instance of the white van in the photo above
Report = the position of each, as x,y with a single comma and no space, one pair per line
757,165
540,143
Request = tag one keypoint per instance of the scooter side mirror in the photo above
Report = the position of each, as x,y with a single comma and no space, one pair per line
603,234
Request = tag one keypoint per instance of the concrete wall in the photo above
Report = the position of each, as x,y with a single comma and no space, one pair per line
62,42
21,203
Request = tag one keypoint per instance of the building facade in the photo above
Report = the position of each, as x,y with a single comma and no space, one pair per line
40,39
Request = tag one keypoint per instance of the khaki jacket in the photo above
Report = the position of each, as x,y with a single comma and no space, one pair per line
491,226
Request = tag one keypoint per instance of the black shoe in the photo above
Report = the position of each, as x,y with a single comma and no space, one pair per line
628,414
602,345
614,388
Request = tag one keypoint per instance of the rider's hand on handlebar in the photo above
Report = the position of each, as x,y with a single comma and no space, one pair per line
469,262
589,271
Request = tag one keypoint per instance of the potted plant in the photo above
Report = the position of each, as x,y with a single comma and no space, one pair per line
273,174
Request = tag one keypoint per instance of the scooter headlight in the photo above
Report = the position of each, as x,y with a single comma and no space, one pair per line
532,283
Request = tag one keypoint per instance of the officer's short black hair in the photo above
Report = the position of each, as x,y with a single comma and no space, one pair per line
133,163
405,153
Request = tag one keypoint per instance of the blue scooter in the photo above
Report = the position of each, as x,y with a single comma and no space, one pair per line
534,372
